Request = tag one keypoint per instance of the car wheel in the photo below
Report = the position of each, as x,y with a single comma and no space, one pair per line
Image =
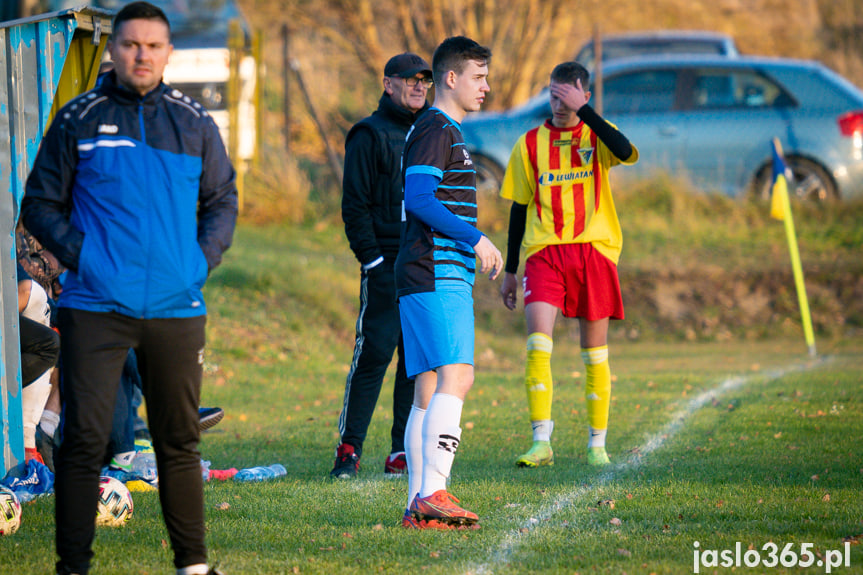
489,176
808,182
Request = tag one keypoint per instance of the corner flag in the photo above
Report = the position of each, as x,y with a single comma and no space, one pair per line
780,209
779,193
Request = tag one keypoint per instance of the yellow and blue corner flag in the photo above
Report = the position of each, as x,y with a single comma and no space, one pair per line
779,193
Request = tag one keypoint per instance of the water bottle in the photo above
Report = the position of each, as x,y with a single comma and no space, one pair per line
261,473
144,466
205,470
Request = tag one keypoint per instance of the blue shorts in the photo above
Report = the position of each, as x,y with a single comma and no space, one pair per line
437,328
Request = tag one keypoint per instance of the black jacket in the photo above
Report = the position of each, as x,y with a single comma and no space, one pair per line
372,186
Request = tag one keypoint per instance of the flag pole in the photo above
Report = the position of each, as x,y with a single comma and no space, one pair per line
796,267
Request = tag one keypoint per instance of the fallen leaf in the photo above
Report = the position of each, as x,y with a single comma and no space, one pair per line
468,425
624,552
615,521
606,503
378,527
826,497
223,506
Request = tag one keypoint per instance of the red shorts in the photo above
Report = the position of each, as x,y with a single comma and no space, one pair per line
575,278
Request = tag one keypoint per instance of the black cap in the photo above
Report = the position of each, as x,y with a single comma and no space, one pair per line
407,65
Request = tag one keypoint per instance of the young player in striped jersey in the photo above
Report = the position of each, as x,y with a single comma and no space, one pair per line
435,268
564,215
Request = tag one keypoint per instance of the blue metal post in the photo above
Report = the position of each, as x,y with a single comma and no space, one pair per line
34,75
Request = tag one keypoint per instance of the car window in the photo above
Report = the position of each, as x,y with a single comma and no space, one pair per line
613,49
640,92
713,89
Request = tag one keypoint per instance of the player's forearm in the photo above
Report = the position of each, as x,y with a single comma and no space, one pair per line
422,203
515,235
613,139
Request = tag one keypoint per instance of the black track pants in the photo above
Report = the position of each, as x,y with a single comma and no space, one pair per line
170,356
378,335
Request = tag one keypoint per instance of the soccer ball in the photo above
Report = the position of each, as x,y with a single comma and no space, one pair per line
115,503
10,511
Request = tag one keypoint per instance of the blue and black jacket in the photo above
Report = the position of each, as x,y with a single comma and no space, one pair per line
136,196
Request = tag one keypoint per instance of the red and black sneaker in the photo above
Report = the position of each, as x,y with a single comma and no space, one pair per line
442,506
411,522
396,464
347,462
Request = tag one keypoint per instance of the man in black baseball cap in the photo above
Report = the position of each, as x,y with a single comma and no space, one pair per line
406,65
371,210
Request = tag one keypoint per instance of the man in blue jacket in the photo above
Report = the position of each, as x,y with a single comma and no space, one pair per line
133,192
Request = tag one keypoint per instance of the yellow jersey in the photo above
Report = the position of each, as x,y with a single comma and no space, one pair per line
561,174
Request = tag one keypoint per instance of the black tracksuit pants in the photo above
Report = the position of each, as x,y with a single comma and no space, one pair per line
170,356
378,335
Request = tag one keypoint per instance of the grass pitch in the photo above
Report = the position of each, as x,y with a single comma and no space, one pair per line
715,443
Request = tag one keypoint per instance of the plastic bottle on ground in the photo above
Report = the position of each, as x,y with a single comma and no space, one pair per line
144,466
261,473
223,474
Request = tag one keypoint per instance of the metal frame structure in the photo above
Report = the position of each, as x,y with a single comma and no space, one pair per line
45,61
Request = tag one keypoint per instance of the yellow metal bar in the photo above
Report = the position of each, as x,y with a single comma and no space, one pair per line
780,208
797,268
82,62
257,46
235,49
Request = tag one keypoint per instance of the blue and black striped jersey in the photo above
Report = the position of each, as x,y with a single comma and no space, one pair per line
435,147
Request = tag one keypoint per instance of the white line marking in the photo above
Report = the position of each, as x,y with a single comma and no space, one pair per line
514,538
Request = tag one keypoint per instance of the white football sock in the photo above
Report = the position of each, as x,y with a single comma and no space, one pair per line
441,436
597,437
199,569
33,398
542,429
414,451
49,422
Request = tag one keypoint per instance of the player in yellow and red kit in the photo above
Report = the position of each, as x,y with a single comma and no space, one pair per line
564,215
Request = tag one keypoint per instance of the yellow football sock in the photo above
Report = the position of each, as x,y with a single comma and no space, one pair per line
537,377
597,389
